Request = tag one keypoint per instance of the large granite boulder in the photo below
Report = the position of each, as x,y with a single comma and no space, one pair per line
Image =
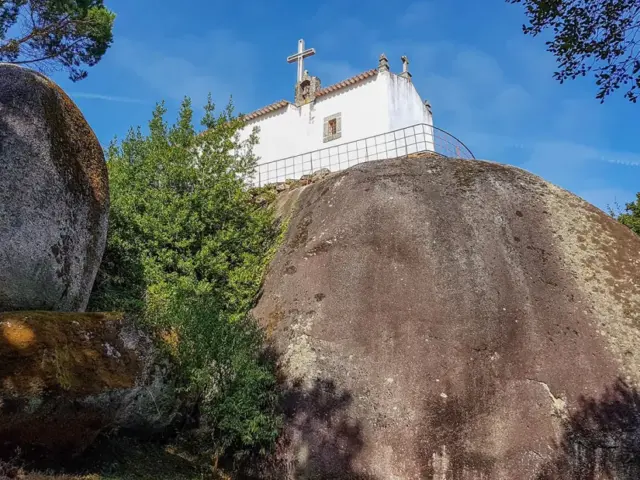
451,319
54,197
67,377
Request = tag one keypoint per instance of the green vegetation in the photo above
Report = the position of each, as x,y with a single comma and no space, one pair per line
598,37
187,247
118,459
50,34
631,215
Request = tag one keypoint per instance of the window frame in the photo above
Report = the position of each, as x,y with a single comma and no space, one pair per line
327,136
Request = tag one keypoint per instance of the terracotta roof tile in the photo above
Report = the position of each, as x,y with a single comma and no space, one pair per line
323,91
347,82
268,109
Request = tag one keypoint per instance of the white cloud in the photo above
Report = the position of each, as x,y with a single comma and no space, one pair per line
529,60
106,98
512,100
217,62
478,67
607,198
342,31
417,13
332,72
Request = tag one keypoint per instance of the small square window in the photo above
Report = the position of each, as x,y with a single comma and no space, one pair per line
332,127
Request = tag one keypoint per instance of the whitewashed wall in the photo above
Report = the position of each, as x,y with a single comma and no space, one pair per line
407,108
372,107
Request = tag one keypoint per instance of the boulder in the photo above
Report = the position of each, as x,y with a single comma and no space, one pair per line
320,174
439,318
54,196
67,377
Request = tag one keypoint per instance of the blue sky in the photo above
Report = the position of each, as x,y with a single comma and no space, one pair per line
488,83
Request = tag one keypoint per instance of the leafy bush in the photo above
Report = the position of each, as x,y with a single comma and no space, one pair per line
186,251
631,217
235,384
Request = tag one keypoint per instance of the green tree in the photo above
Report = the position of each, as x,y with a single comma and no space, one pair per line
186,252
598,37
52,34
631,215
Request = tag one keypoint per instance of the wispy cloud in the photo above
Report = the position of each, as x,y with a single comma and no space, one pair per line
106,98
417,13
222,71
332,72
607,198
506,108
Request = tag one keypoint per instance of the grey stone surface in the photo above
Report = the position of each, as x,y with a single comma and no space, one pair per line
69,376
452,319
54,196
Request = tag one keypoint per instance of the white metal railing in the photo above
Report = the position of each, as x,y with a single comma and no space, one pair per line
398,143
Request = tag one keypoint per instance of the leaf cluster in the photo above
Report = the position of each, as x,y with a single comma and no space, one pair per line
631,215
598,37
50,34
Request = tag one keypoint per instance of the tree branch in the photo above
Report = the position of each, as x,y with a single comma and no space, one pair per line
36,32
48,57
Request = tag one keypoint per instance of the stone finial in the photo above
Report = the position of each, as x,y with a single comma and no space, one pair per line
405,67
383,63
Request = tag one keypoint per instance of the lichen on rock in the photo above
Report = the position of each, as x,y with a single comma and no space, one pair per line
54,196
66,377
475,322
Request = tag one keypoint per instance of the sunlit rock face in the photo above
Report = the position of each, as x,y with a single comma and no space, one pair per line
67,377
449,319
54,198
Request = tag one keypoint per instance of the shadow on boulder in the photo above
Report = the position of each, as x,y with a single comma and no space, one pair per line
443,439
320,440
601,439
67,377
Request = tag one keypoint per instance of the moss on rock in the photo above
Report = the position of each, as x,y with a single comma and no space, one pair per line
54,196
66,377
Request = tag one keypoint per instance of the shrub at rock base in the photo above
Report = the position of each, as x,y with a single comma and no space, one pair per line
186,252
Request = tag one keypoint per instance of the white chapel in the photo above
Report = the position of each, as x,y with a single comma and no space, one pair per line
374,115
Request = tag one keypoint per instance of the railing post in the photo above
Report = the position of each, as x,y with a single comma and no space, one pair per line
406,146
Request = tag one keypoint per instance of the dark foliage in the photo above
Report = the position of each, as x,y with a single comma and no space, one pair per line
601,439
598,37
52,34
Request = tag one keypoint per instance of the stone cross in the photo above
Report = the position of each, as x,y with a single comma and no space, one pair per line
300,56
405,64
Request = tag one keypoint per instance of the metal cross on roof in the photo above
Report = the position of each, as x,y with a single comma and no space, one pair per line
300,56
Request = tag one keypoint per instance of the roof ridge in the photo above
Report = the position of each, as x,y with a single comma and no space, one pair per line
349,81
272,107
323,91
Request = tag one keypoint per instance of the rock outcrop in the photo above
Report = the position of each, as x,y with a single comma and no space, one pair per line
66,377
450,319
54,196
